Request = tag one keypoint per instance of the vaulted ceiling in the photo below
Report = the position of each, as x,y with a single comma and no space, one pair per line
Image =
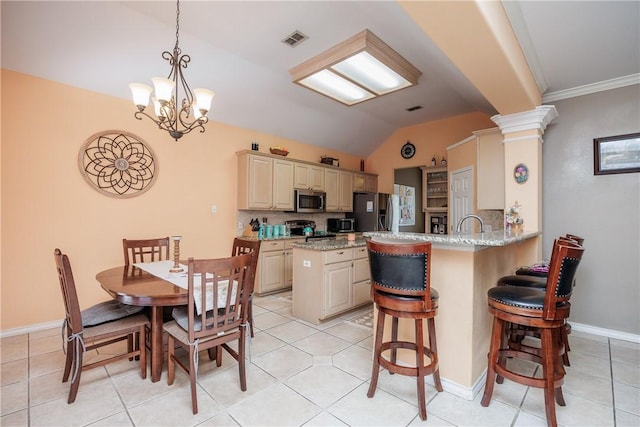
572,47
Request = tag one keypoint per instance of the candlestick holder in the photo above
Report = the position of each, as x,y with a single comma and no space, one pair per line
176,255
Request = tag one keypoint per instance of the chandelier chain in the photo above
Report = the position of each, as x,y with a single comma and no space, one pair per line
177,49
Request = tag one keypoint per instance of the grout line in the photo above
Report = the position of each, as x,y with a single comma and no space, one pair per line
613,394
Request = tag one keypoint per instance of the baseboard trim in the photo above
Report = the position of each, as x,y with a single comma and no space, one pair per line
31,328
603,332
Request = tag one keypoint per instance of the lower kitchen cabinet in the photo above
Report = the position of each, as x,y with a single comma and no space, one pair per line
275,266
328,283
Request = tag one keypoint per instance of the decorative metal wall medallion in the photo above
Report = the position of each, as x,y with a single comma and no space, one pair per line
117,164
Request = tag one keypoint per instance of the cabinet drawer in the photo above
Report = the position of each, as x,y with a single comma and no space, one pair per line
361,270
360,252
275,245
339,255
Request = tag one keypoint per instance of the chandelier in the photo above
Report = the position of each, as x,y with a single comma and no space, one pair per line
192,112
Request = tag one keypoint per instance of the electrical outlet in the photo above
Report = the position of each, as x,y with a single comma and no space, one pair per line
214,209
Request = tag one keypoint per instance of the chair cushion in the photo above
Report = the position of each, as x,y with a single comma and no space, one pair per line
108,311
181,316
518,296
533,270
521,280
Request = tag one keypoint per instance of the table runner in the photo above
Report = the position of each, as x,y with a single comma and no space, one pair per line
161,269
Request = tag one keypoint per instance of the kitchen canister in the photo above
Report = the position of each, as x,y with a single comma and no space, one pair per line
269,229
276,230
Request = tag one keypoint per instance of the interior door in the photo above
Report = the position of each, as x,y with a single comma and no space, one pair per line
461,199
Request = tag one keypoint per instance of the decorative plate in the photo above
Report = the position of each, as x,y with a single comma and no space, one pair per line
521,173
408,150
117,163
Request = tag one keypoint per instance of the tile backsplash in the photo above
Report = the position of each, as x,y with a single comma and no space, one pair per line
273,217
494,218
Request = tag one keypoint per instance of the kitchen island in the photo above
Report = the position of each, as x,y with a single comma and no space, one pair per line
463,268
330,277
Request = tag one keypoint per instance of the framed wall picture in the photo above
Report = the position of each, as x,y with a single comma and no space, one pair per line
616,154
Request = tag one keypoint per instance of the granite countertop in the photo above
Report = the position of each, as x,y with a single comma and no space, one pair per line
329,245
493,238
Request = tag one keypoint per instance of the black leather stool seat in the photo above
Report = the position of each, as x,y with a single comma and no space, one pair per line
434,295
532,271
525,281
517,296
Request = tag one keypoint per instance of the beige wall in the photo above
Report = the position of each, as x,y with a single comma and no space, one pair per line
47,204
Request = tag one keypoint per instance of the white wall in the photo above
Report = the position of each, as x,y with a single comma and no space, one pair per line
604,209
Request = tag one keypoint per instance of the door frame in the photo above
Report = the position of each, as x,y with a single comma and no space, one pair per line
453,218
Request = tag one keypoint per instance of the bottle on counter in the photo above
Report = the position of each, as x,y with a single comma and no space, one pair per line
433,160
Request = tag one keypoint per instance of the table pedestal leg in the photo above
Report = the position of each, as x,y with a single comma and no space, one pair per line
156,343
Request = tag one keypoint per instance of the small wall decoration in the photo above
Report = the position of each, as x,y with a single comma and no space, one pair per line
117,163
521,173
408,150
616,154
407,196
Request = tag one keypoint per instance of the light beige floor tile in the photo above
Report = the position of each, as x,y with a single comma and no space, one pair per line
323,385
14,348
286,312
528,420
92,404
589,346
15,419
121,419
626,374
45,388
588,386
579,412
586,335
355,360
324,419
46,333
462,412
404,387
46,344
220,420
14,397
322,344
622,343
260,408
432,421
291,332
134,390
224,386
627,398
273,303
12,372
589,364
263,343
383,409
509,392
268,320
284,362
174,409
350,332
625,352
625,419
47,363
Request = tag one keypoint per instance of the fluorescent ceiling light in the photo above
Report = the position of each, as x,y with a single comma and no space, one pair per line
360,68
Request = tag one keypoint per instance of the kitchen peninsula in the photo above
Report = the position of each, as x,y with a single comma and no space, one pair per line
463,268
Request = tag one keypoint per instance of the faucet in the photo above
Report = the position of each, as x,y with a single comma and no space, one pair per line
459,226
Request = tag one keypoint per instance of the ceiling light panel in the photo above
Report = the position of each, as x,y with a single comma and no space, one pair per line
360,68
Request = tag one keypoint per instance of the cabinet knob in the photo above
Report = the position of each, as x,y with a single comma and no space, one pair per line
340,253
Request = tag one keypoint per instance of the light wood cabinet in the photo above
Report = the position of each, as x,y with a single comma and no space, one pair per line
490,149
435,189
345,192
275,266
327,283
264,183
363,182
331,188
308,177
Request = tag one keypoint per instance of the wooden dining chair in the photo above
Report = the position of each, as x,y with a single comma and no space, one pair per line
98,326
222,317
145,250
241,247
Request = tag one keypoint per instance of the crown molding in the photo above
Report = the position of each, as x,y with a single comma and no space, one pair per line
633,79
537,119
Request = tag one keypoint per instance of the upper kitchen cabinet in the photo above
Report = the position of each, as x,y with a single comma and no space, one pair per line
264,183
435,189
308,177
490,152
339,189
363,182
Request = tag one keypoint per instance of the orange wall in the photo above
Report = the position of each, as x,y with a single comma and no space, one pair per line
429,138
47,204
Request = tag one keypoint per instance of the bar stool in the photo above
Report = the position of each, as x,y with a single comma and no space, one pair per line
535,276
546,310
401,288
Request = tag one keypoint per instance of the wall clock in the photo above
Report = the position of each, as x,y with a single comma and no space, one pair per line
408,150
117,164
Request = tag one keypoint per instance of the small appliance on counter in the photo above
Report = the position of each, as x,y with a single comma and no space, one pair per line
307,228
341,225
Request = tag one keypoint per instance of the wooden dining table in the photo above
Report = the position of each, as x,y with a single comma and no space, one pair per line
134,286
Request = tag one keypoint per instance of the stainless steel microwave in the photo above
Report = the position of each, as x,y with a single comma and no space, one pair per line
341,225
309,201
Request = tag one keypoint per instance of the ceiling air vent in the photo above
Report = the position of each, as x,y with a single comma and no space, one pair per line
294,38
417,107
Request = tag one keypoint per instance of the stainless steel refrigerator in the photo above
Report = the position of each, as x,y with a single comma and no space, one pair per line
372,211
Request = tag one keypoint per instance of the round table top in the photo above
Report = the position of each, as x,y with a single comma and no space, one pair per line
131,285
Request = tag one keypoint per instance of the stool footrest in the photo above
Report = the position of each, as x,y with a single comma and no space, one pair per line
407,370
